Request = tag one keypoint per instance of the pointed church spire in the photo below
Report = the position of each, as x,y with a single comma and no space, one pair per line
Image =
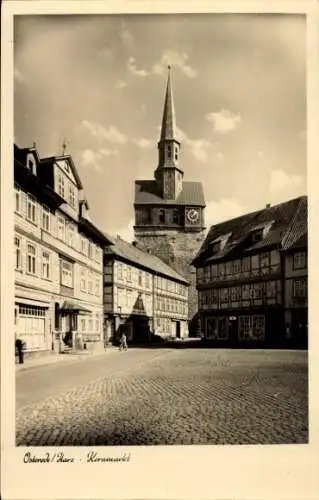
169,175
168,123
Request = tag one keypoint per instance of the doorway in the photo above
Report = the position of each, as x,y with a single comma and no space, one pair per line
178,329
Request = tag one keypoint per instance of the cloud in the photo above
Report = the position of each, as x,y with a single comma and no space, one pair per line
126,233
133,69
126,36
18,76
142,142
280,180
106,53
111,133
223,121
92,160
120,84
224,209
200,148
176,59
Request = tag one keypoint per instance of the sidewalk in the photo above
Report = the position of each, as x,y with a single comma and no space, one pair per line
55,358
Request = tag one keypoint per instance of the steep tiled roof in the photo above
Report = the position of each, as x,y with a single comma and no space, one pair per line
191,194
296,234
280,216
122,248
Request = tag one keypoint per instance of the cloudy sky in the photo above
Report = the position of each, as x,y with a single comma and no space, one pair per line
99,81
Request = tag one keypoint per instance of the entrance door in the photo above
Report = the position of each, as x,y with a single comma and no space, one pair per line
178,329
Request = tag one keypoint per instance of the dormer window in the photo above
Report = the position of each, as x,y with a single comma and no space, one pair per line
257,236
61,185
31,164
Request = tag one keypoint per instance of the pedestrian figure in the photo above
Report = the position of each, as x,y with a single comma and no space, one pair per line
19,348
123,342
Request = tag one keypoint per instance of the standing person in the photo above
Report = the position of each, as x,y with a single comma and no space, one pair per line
123,342
19,348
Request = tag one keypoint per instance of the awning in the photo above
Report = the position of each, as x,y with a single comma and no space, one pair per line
73,307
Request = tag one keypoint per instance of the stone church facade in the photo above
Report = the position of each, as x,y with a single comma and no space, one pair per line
169,212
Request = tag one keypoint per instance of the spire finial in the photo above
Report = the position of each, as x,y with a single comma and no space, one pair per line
168,67
34,145
63,147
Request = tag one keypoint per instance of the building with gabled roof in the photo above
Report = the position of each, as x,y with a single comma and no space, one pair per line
143,296
243,276
169,211
58,257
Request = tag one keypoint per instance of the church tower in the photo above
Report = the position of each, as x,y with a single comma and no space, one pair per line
169,211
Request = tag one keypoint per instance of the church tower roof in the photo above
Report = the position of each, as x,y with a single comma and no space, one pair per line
168,131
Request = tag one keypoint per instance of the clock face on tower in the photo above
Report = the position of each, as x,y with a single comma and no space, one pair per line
192,215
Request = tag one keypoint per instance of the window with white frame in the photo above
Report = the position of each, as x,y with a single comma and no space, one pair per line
31,209
46,274
82,279
90,328
299,261
66,273
224,295
97,286
140,278
97,254
300,288
71,235
246,292
18,199
18,251
129,273
90,250
61,185
147,280
90,284
45,220
97,323
120,271
264,259
61,228
31,259
72,196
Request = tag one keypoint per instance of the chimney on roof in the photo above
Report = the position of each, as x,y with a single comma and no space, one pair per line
268,205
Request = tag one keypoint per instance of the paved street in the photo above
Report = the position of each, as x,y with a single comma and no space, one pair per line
166,396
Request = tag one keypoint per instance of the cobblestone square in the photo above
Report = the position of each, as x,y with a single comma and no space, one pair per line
167,397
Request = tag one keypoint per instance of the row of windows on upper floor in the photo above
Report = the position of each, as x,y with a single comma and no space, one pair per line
143,301
250,292
159,216
33,260
130,274
55,224
165,304
266,261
